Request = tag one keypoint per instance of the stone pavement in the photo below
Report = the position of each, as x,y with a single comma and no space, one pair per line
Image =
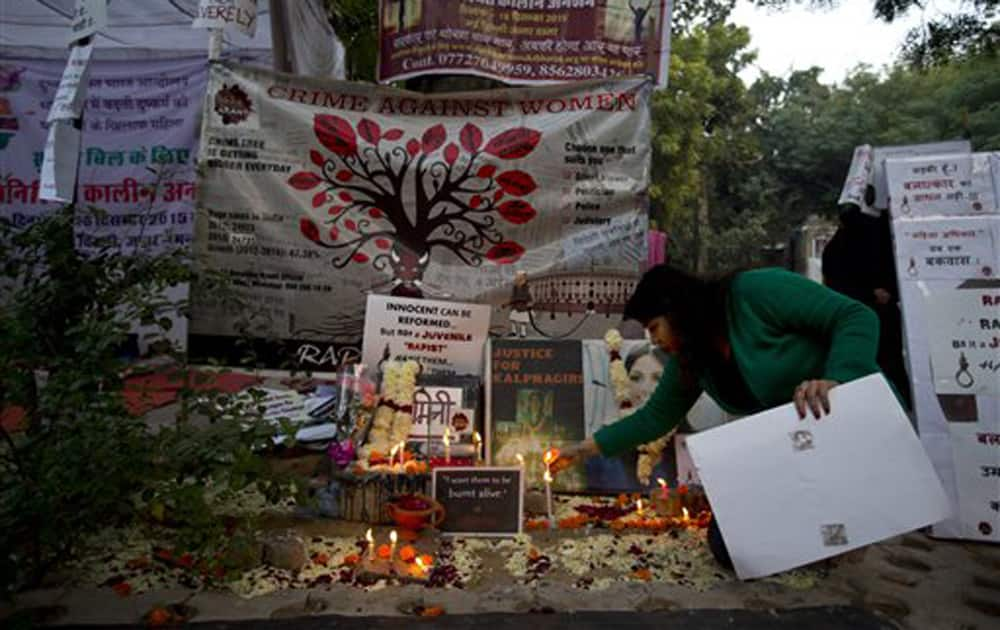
908,582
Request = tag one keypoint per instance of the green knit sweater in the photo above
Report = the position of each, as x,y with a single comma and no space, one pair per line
783,329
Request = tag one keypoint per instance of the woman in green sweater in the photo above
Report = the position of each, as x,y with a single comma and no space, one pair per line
752,340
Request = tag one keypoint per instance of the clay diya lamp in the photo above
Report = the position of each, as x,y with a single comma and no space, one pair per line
413,512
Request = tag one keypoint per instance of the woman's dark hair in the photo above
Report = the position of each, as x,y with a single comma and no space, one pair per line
695,308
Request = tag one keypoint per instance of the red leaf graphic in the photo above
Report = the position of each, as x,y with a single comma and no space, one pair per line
433,138
336,134
517,183
351,225
336,209
360,257
475,202
505,252
471,137
345,196
317,158
382,243
369,130
393,134
498,195
517,211
334,233
304,180
344,175
319,199
513,143
309,229
375,213
413,147
486,171
451,153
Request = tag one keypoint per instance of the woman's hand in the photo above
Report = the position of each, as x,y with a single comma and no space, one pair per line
813,395
570,455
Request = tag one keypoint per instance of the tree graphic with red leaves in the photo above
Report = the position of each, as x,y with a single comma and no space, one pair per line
458,195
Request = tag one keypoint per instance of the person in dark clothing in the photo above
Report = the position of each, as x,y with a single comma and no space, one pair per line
859,262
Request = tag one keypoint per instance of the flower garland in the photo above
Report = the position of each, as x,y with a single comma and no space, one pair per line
649,454
394,414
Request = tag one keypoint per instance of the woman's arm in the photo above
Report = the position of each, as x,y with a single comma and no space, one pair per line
664,410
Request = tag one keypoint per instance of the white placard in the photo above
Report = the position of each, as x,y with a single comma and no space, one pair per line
948,185
69,98
434,408
859,175
60,161
444,337
222,13
787,492
881,154
959,248
965,344
89,17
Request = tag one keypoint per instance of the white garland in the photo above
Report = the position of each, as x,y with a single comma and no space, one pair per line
390,427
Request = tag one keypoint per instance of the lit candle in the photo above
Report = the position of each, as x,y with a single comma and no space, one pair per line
402,452
638,507
420,565
548,492
687,517
392,454
371,544
520,459
392,545
478,442
664,488
447,446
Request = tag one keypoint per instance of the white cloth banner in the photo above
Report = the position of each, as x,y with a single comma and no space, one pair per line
68,102
241,14
314,193
787,492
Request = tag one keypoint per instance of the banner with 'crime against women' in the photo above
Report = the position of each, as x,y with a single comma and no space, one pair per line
315,193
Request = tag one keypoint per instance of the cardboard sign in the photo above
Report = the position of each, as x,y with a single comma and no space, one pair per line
787,492
957,248
480,501
222,13
443,337
60,162
965,346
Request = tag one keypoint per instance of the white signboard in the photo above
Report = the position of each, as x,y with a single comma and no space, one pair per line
965,346
59,164
437,408
947,249
69,98
222,13
444,337
787,492
881,154
950,185
89,17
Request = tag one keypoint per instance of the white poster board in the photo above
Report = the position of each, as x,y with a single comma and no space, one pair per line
444,337
60,162
787,492
945,185
881,154
943,308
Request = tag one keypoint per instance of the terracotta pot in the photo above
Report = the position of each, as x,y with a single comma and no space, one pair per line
415,518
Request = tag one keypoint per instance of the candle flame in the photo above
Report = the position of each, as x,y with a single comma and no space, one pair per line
520,458
393,451
476,438
420,563
550,456
660,480
392,537
639,506
548,477
369,537
686,514
446,437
